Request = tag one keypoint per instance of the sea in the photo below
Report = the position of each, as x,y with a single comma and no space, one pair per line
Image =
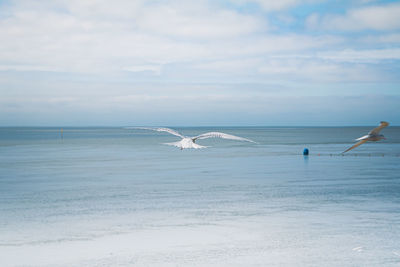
113,196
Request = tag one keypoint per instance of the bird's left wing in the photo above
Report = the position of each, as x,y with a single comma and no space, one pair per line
221,135
355,145
376,130
168,130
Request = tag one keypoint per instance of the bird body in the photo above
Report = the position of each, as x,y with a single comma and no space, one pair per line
186,142
373,136
190,142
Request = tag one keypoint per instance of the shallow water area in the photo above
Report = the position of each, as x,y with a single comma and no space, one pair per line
113,196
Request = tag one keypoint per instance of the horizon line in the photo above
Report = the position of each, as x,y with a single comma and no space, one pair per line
180,126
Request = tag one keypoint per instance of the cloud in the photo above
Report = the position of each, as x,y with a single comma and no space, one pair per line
162,57
317,70
197,22
83,37
377,18
155,69
203,110
272,6
390,39
366,55
95,36
277,5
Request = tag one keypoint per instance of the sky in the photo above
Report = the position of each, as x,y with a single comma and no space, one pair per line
199,63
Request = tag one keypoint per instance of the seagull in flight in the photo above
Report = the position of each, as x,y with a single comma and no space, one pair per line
373,135
190,142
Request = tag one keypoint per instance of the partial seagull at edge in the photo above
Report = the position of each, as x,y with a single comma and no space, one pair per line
373,135
190,142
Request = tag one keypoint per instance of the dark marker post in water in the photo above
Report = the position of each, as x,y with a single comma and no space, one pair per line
305,152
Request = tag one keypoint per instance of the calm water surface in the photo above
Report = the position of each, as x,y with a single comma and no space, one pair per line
118,197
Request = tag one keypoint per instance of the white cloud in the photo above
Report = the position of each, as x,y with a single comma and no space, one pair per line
361,56
216,109
192,41
92,37
156,69
315,70
378,18
81,36
197,22
162,57
270,5
391,39
230,65
277,5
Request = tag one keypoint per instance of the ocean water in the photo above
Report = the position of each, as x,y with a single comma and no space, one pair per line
119,197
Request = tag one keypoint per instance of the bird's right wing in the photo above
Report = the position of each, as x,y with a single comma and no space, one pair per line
221,135
376,130
355,145
168,130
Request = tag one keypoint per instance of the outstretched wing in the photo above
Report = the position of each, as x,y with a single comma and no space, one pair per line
376,130
356,145
168,130
221,135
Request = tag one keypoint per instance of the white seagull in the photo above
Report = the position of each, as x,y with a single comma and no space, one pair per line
373,135
190,142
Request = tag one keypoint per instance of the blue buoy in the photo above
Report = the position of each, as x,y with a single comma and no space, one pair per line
305,152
